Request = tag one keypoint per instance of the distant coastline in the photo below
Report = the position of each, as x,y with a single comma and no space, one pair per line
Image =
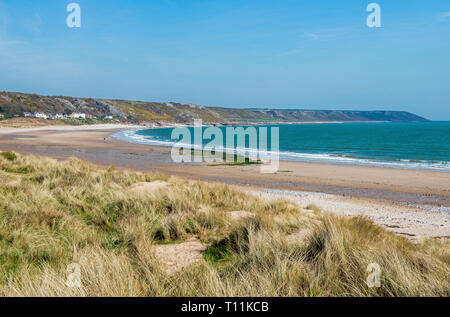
90,110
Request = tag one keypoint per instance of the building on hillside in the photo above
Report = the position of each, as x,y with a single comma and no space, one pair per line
108,117
27,114
40,115
56,116
78,116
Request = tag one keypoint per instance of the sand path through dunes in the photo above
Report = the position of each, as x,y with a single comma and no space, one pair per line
146,188
176,257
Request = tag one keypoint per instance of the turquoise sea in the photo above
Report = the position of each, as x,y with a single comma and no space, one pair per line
402,145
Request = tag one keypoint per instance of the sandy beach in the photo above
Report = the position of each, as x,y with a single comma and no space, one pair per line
413,203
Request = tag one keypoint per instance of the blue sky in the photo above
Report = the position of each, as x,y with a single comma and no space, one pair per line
233,53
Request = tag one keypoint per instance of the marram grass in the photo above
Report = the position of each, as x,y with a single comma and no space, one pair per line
53,213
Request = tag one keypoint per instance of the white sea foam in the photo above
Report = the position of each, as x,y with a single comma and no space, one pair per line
133,137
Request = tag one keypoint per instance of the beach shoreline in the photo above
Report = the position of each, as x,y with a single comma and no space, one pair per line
418,200
302,149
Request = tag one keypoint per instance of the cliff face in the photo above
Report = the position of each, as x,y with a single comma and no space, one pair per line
15,104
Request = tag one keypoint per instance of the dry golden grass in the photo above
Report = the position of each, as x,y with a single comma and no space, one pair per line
55,213
29,123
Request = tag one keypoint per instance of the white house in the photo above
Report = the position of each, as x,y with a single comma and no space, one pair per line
78,116
27,114
58,116
40,115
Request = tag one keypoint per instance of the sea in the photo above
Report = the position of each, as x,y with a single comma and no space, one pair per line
409,145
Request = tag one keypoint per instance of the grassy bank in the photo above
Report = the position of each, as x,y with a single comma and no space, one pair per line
29,123
55,213
34,122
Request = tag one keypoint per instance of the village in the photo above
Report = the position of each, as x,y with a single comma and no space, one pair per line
60,116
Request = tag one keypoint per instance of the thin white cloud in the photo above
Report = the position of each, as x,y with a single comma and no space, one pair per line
313,36
9,43
4,19
326,34
10,49
446,14
291,52
33,23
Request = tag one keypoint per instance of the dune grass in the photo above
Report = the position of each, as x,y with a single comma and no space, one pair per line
55,213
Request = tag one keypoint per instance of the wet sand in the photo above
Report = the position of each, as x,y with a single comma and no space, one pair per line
415,203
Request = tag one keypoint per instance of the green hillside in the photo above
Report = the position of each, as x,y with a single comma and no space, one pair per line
15,104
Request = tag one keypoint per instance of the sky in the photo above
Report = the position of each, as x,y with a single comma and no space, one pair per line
289,54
